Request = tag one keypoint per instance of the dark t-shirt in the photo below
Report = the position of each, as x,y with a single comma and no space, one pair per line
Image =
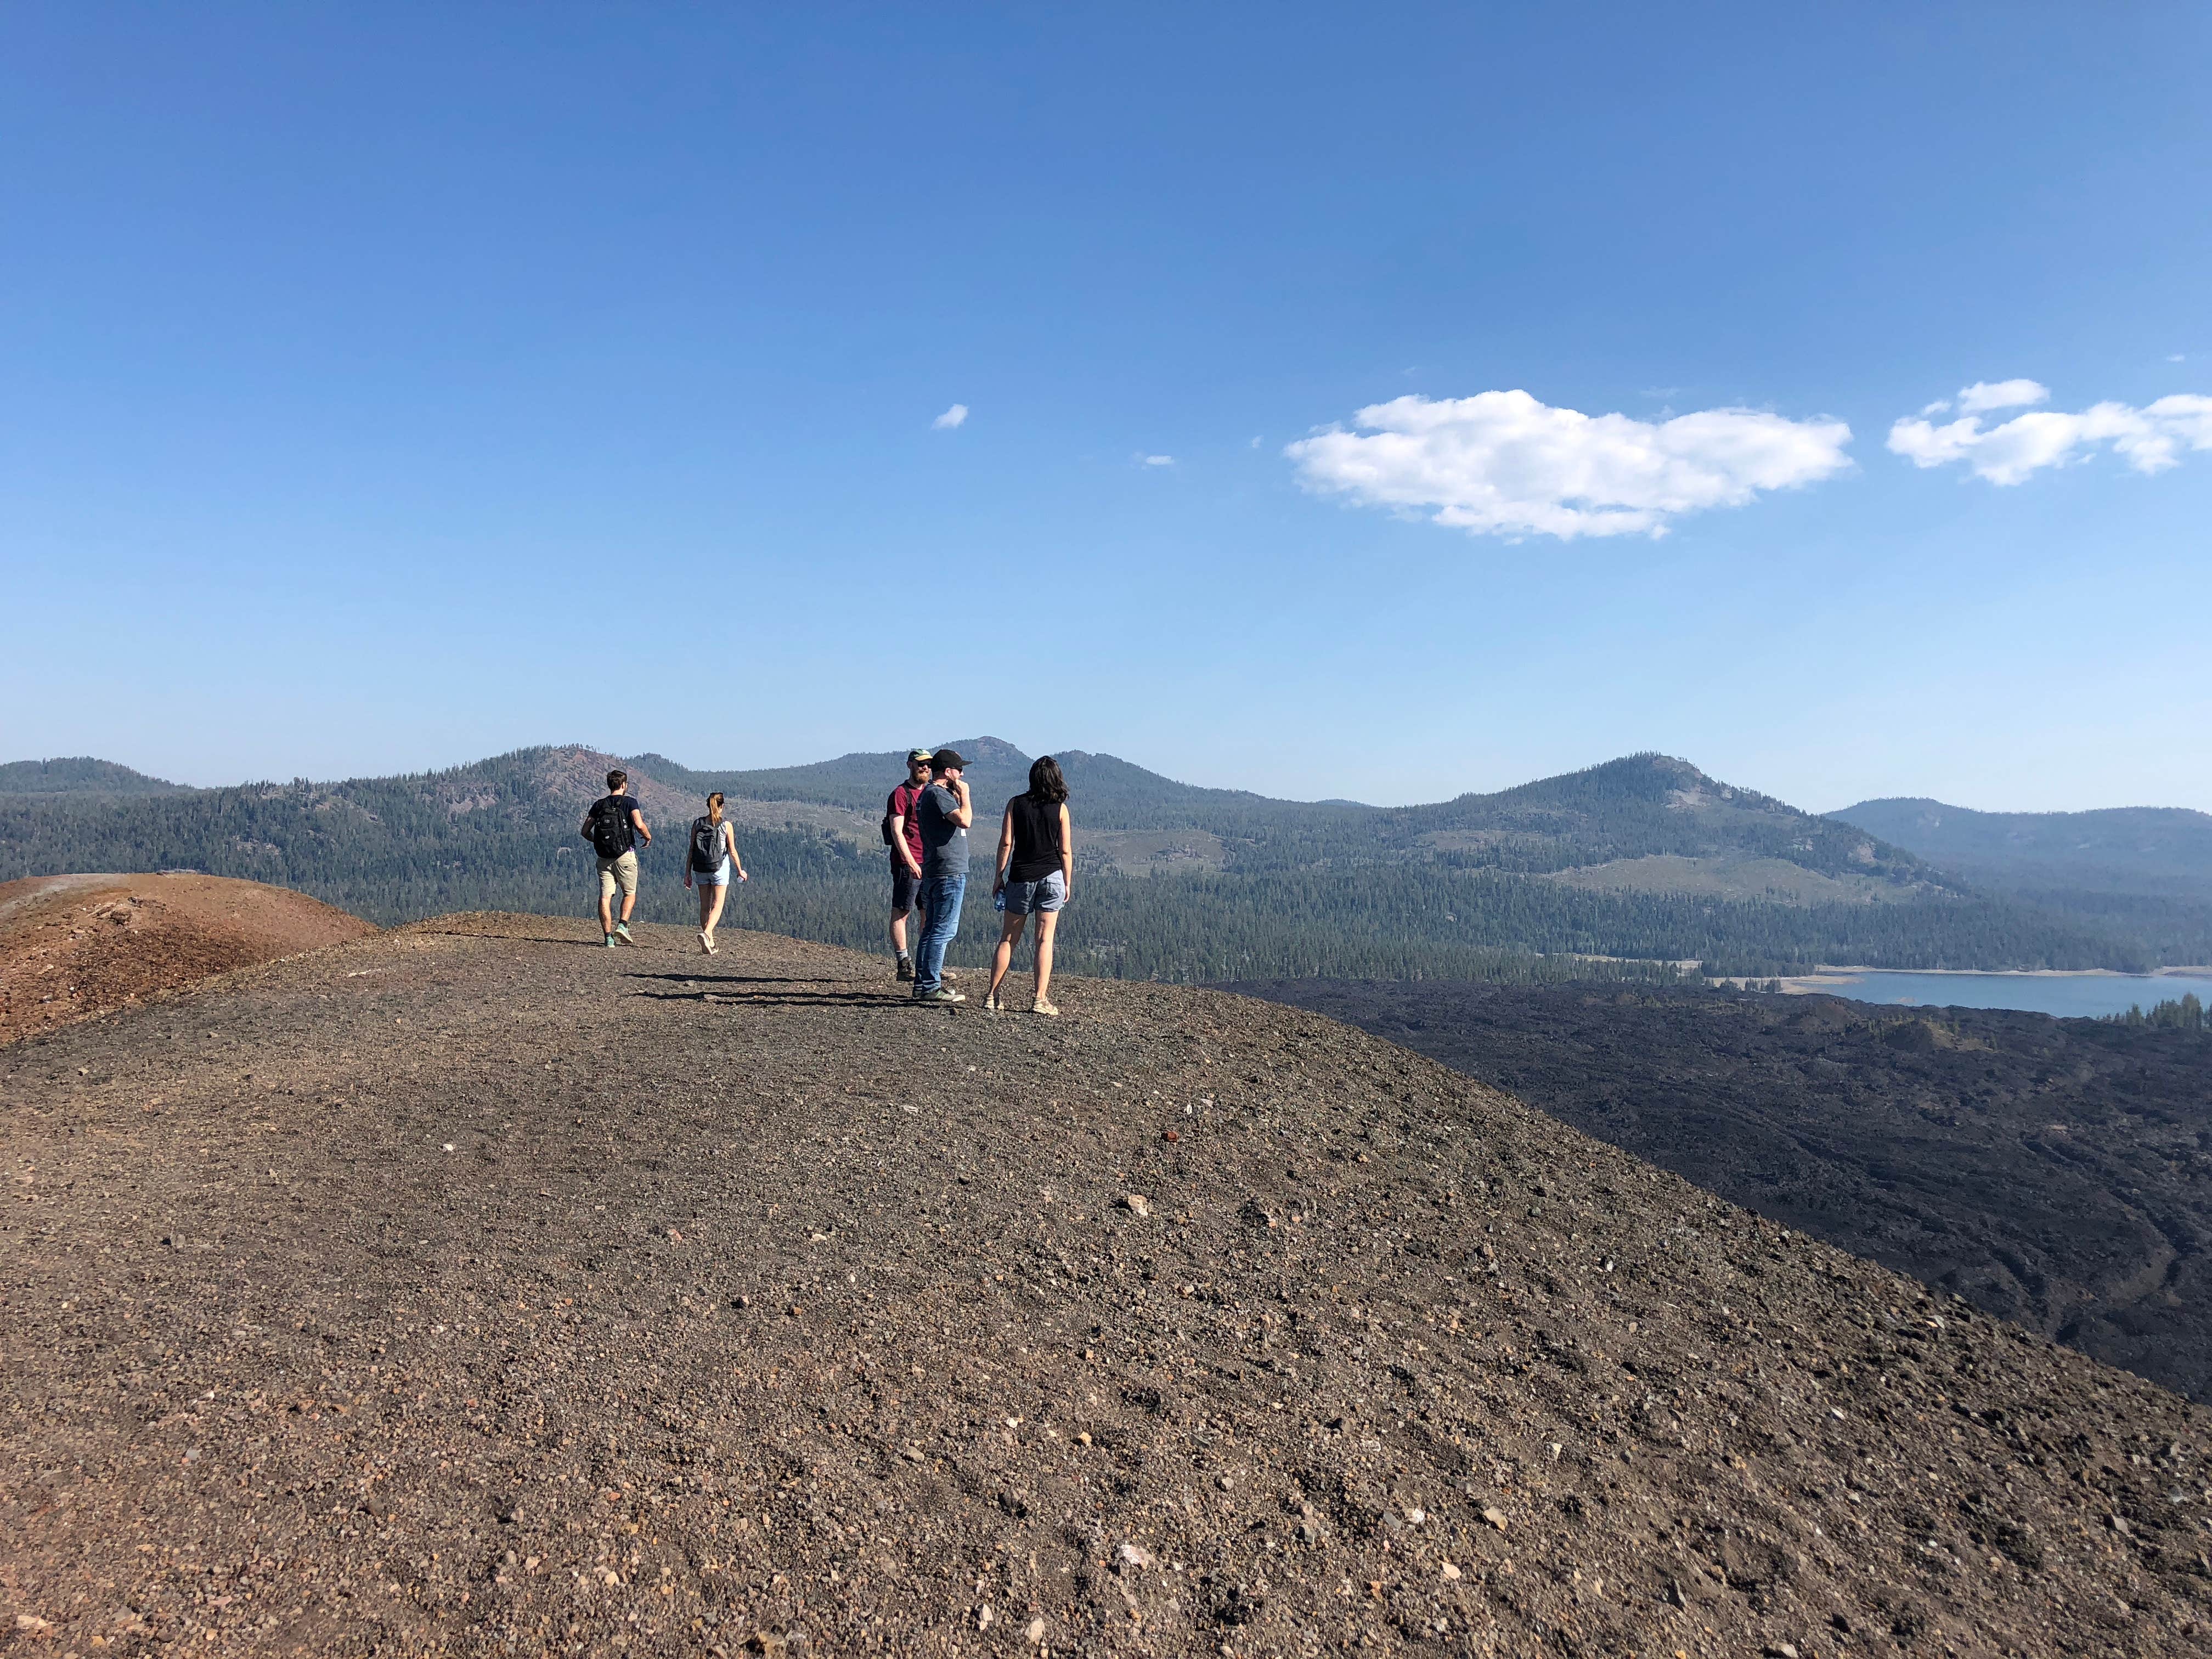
901,805
620,807
944,844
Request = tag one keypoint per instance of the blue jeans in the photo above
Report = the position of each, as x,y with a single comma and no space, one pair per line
941,898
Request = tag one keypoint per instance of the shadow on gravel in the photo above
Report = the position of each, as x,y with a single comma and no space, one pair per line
738,978
783,999
426,931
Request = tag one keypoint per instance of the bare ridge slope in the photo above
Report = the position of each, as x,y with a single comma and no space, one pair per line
73,946
475,1288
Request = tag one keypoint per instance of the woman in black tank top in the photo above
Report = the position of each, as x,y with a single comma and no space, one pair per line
1035,870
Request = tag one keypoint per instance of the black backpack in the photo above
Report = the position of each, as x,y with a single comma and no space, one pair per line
707,850
888,839
610,832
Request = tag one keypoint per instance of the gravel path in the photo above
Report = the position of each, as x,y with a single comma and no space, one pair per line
473,1288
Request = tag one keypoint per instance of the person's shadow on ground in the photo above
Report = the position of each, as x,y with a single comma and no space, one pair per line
703,988
746,979
784,999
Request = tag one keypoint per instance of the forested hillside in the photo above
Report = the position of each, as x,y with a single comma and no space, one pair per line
78,775
1536,884
1115,794
2141,872
2159,852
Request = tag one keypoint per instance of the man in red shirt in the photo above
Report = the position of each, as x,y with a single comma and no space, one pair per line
906,852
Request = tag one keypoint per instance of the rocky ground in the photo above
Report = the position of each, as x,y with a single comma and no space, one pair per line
72,946
476,1289
2055,1172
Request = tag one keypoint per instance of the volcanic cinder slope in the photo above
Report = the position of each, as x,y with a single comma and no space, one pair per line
2056,1173
73,946
477,1288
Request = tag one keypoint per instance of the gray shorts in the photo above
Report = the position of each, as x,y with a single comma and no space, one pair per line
1027,898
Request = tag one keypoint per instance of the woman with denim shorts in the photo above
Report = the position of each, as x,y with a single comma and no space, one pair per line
711,860
1036,873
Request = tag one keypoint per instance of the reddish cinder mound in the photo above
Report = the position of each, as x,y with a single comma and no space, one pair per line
72,946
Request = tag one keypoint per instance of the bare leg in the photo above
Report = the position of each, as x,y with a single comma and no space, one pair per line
606,911
1010,934
1047,924
898,932
710,908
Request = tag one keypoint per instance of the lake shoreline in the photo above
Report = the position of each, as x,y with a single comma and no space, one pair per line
2092,993
1830,973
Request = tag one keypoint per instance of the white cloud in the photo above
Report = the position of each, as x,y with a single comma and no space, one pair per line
1985,395
2149,438
1500,463
1157,460
955,416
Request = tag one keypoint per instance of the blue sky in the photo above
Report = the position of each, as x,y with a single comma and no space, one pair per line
381,387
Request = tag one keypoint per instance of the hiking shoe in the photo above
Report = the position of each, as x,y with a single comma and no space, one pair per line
905,975
1049,1009
621,933
940,994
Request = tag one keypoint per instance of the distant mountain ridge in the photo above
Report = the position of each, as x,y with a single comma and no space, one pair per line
1116,794
1644,861
2157,851
1650,804
79,775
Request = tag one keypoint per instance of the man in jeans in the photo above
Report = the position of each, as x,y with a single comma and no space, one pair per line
945,812
906,852
613,826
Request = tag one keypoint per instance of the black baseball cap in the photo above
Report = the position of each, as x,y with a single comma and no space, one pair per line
945,760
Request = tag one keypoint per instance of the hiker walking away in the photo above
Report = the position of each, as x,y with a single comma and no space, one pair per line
712,858
614,826
902,832
945,812
1035,871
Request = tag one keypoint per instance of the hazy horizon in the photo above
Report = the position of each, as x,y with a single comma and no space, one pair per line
714,766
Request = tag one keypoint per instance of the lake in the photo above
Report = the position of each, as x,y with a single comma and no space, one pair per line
2068,995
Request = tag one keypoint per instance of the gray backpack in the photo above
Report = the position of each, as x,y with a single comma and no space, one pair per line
707,849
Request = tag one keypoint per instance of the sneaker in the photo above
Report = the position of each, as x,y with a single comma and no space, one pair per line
991,1003
1047,1009
905,975
621,933
611,941
706,944
940,994
949,976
